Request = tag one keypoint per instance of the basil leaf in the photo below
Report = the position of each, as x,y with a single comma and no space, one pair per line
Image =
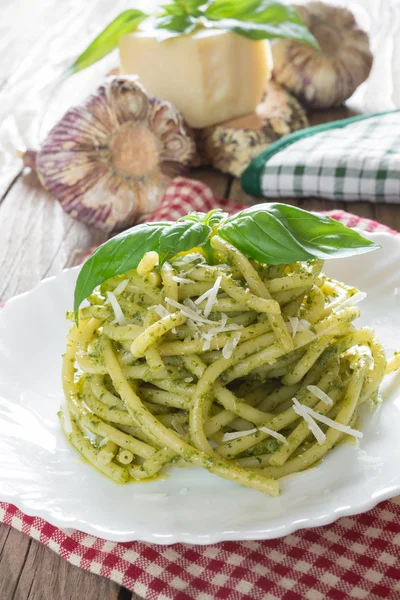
173,26
125,251
259,19
108,39
213,218
279,234
183,236
183,7
117,256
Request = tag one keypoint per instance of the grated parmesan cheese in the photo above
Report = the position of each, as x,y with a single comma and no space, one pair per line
296,325
88,434
193,328
181,279
227,437
212,298
355,299
318,393
189,312
66,417
204,296
160,310
302,411
274,434
231,345
119,315
334,424
190,304
293,325
207,341
121,287
303,325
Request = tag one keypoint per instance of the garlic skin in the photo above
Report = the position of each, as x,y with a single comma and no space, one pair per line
109,160
231,145
326,78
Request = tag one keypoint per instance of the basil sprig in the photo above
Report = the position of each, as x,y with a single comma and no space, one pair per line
108,39
269,233
254,19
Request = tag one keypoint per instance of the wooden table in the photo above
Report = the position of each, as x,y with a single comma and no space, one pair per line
37,240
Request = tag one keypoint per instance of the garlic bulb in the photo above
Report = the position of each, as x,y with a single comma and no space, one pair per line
326,78
109,160
231,145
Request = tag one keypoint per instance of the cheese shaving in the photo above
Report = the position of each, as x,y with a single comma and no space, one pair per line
193,328
207,341
190,304
274,434
66,417
302,411
203,297
231,345
119,315
293,325
189,312
318,393
227,437
121,287
212,298
303,325
334,424
355,299
181,279
160,310
296,325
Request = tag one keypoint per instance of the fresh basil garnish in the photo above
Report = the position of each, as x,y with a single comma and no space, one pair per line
125,251
254,19
281,234
259,20
270,233
108,39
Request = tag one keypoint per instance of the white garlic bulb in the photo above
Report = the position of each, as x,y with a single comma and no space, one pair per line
325,78
109,160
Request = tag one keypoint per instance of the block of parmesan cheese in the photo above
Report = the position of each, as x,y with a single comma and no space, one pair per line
210,76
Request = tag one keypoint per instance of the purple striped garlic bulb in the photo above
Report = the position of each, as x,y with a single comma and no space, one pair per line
109,160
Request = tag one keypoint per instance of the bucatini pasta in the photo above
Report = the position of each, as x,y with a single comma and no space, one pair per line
250,371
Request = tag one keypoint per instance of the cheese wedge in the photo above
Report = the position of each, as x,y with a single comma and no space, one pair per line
210,76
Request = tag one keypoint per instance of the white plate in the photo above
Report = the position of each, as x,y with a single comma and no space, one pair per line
43,476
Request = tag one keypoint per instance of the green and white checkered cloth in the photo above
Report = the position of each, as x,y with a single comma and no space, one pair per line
352,159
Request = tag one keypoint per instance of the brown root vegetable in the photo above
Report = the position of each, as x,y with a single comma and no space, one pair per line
230,146
109,160
325,78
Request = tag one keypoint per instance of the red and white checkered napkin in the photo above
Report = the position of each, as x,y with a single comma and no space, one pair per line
356,557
